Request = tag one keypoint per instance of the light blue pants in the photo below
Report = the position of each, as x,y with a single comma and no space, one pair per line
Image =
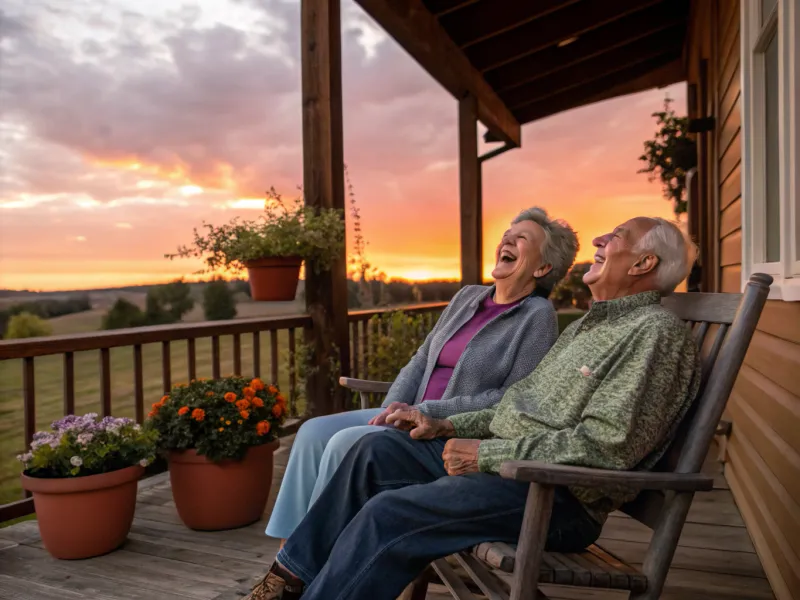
319,447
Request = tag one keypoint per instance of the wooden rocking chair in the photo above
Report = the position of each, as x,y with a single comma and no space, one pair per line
665,494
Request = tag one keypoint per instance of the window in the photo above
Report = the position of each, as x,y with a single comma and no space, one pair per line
771,149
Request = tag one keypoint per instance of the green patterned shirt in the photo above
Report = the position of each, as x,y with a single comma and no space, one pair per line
609,395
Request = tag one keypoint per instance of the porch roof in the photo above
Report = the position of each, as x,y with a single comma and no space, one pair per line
526,60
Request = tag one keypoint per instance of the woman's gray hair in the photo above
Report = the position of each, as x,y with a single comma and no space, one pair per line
560,244
675,250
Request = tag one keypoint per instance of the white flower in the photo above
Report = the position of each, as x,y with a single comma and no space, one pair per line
113,430
585,371
76,461
85,438
24,458
144,462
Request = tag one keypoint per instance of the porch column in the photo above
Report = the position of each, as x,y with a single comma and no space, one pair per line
470,193
323,187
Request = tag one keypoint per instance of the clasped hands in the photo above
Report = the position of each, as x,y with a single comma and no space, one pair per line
460,456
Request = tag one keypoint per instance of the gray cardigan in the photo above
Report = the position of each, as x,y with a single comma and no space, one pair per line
504,351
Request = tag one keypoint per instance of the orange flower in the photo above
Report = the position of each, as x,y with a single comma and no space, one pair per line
183,410
257,384
277,410
222,419
152,413
209,394
262,428
244,414
198,414
163,400
248,392
230,397
221,429
240,422
280,399
243,404
257,402
227,422
272,390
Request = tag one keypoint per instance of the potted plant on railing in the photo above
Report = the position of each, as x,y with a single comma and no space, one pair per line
219,437
273,247
83,475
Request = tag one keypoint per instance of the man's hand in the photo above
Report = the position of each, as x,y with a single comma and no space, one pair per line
461,456
421,426
381,418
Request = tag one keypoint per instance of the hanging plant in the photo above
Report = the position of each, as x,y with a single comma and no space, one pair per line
670,155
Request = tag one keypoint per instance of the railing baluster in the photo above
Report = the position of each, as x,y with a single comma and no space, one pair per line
69,383
29,394
273,351
166,367
292,375
237,354
191,358
354,339
138,383
105,381
256,354
215,366
365,346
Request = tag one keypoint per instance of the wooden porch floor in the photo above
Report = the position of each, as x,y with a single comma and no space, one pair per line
162,560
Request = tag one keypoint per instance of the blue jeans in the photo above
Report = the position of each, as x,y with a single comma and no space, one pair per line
318,448
391,509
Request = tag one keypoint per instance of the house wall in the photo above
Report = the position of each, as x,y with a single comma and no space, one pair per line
763,453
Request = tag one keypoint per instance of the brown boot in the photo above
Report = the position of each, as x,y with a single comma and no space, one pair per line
275,587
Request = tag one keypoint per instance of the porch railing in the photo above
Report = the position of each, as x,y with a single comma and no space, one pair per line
125,385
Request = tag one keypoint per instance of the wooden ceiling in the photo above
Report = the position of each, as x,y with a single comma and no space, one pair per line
540,57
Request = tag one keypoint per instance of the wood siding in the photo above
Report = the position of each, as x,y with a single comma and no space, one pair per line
763,454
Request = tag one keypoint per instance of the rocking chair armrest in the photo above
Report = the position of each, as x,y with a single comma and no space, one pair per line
364,385
551,475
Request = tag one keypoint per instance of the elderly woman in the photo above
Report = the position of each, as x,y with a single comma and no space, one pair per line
488,338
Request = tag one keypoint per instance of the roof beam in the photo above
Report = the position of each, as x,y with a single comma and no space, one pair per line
669,41
419,33
656,72
443,7
594,43
548,31
483,20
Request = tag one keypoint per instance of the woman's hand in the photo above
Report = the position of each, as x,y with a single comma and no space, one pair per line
461,456
381,418
421,426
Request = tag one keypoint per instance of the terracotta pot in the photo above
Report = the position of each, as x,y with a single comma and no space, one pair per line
231,493
274,279
81,517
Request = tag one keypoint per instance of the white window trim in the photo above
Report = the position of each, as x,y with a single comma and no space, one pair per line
786,273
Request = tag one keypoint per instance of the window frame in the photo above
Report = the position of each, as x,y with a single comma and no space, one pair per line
784,21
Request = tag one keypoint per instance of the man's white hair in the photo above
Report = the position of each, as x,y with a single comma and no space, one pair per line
675,250
559,247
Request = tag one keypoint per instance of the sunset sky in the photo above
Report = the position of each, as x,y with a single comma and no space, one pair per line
125,123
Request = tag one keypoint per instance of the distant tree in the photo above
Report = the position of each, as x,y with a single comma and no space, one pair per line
571,292
123,314
168,303
218,301
27,325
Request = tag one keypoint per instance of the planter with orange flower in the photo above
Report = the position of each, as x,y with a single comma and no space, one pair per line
219,437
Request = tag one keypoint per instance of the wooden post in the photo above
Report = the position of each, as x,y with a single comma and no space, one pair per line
470,193
323,187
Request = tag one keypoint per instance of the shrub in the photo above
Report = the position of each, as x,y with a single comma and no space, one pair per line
395,338
219,418
26,325
123,314
218,301
81,446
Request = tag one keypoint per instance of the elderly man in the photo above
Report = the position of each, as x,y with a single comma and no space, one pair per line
610,394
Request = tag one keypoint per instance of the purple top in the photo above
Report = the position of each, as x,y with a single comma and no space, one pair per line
452,350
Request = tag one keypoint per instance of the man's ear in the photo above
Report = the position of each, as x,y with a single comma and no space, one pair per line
542,271
645,264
